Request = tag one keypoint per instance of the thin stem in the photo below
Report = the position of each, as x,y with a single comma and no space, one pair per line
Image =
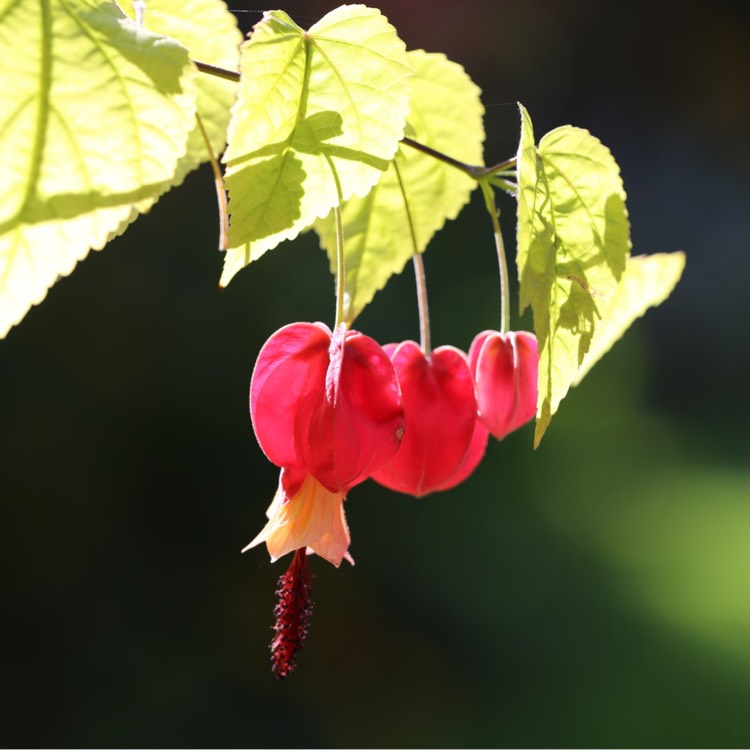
214,70
424,310
472,171
503,166
489,200
340,270
221,194
507,185
421,278
477,172
340,262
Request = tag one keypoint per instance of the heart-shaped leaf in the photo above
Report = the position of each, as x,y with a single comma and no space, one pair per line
318,119
573,243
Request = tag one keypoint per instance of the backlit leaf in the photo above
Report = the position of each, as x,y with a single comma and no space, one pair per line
648,280
418,193
318,113
210,34
573,243
94,117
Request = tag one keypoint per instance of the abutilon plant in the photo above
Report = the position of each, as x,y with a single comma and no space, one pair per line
341,129
327,409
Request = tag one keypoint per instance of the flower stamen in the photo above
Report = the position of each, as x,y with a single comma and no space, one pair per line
293,613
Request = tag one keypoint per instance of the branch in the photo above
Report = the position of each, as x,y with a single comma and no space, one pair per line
476,172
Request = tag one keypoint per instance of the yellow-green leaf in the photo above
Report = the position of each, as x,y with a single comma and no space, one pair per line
318,118
573,242
94,116
210,34
418,193
648,280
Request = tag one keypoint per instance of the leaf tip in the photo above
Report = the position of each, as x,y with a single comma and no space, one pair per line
539,431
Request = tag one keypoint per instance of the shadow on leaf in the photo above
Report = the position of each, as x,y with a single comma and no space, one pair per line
266,197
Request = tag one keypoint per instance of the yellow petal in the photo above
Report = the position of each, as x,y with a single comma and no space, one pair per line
333,545
313,517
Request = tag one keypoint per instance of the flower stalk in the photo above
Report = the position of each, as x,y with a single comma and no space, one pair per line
425,338
489,200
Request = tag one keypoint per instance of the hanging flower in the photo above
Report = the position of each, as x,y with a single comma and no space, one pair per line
327,409
312,518
505,368
443,441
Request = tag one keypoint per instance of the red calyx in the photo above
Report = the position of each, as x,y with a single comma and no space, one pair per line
326,404
443,441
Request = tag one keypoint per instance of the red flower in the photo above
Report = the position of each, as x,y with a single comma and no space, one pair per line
326,404
327,409
505,368
443,442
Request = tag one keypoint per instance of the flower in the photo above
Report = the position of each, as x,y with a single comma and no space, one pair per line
313,517
505,367
326,408
443,441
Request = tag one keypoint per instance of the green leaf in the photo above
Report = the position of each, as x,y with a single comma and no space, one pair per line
648,280
187,21
318,119
94,117
418,193
573,243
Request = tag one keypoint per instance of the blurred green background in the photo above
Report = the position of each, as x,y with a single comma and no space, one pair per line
594,592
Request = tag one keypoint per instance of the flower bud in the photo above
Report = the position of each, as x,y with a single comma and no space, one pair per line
505,368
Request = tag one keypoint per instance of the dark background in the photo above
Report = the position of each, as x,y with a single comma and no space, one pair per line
594,592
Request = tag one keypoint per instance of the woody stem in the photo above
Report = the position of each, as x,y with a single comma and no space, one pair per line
475,171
